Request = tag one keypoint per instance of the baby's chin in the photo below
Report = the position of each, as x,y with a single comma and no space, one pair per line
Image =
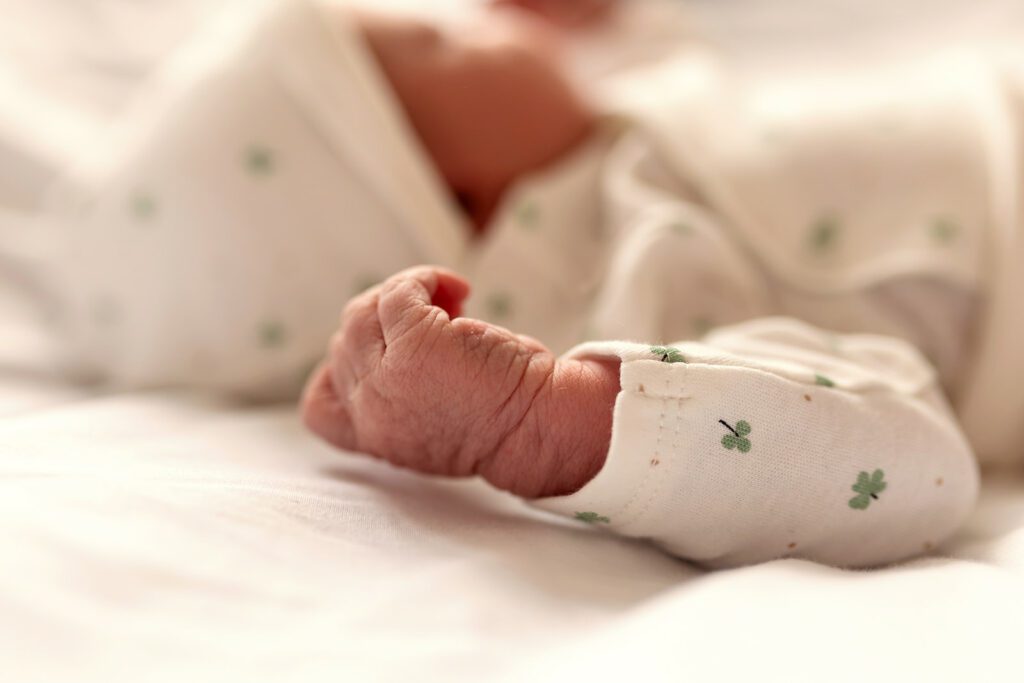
473,97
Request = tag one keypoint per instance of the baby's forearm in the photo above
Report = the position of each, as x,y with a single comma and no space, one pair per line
563,439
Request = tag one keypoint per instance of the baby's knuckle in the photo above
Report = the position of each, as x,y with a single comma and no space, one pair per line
398,294
419,272
359,306
336,345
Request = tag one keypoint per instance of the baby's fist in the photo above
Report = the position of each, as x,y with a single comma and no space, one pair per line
408,381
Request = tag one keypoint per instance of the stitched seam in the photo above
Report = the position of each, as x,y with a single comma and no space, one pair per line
643,485
660,481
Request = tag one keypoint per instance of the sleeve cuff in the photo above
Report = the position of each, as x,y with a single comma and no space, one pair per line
727,460
610,498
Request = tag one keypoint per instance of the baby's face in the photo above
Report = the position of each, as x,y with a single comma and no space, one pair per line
489,103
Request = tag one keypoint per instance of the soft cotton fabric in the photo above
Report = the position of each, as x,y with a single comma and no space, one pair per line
266,175
873,207
841,188
770,440
766,439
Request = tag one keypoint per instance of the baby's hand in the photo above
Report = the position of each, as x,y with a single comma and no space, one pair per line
408,381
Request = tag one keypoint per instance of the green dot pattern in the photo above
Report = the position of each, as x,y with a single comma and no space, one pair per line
272,334
943,231
592,518
701,326
824,235
527,215
259,160
499,306
142,206
681,228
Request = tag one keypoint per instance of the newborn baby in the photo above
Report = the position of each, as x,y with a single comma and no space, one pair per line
768,439
833,247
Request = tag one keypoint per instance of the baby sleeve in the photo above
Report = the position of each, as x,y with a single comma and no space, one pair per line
773,438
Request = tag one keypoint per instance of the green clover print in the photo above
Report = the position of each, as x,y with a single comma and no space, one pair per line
868,487
944,230
738,439
668,354
528,215
272,334
143,206
592,518
823,381
499,305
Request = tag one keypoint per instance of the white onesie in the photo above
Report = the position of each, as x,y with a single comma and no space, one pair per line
763,439
217,250
814,212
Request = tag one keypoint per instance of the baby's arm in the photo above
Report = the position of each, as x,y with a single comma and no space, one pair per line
774,438
771,439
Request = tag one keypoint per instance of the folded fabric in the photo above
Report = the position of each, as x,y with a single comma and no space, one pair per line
265,175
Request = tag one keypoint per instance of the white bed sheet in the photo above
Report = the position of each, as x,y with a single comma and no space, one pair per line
163,538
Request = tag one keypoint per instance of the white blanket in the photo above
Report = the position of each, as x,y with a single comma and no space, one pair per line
165,539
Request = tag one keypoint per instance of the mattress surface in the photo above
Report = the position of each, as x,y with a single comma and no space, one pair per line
161,537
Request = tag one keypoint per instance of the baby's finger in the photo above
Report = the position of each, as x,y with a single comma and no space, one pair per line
408,297
324,412
359,344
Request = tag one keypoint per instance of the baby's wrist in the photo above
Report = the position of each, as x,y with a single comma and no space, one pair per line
580,424
562,442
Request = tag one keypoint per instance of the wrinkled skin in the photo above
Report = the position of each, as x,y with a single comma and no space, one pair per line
409,381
